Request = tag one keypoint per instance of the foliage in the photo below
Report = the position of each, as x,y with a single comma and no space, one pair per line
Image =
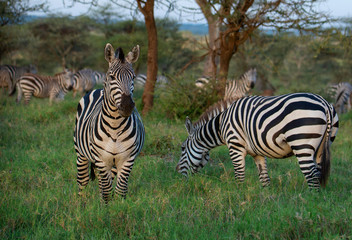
13,11
39,195
181,98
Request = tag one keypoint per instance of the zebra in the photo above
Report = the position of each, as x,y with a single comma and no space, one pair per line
9,75
233,91
201,82
237,89
300,124
99,77
109,133
83,81
341,94
234,88
141,79
54,88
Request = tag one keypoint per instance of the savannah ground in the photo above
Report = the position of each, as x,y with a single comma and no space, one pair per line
39,195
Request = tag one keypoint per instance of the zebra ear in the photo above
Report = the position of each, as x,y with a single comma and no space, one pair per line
133,56
189,126
109,53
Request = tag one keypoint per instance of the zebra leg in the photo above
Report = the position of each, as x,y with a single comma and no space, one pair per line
122,178
260,161
105,184
238,160
19,92
309,170
82,173
27,97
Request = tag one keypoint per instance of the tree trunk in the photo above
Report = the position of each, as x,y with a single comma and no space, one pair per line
227,49
211,61
152,57
210,69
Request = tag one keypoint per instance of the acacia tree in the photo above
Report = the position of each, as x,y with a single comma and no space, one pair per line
147,9
235,21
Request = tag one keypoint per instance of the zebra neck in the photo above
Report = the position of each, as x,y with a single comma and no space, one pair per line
110,114
208,136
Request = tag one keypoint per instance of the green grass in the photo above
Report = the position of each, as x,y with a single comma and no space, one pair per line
39,197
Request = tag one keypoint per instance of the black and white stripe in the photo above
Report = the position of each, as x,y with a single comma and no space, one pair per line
54,88
341,93
141,79
300,124
236,89
9,75
83,81
99,77
109,133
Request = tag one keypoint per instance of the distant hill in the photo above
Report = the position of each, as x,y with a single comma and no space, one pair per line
197,29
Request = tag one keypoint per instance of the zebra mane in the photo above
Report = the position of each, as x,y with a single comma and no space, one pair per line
212,112
119,54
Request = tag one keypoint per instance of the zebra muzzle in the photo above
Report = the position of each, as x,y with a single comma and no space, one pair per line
126,105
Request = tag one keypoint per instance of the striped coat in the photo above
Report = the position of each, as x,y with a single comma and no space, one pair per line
83,81
109,133
300,124
54,88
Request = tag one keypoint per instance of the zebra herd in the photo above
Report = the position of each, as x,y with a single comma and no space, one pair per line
109,133
28,83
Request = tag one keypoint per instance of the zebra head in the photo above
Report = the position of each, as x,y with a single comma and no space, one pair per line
67,79
193,156
119,79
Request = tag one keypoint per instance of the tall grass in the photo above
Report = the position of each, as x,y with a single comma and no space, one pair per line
39,200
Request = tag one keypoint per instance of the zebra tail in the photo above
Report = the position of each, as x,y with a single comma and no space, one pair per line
325,158
13,90
92,172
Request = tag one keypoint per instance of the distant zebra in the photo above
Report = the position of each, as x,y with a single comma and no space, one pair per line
141,79
341,94
9,74
201,82
54,88
99,77
236,89
83,81
300,124
109,133
233,91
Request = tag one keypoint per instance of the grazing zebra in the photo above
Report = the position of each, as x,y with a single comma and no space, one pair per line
341,93
300,124
83,81
109,133
237,89
54,88
9,75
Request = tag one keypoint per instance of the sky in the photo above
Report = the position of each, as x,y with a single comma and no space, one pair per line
336,8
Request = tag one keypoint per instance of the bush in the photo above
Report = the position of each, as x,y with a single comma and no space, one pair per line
181,98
